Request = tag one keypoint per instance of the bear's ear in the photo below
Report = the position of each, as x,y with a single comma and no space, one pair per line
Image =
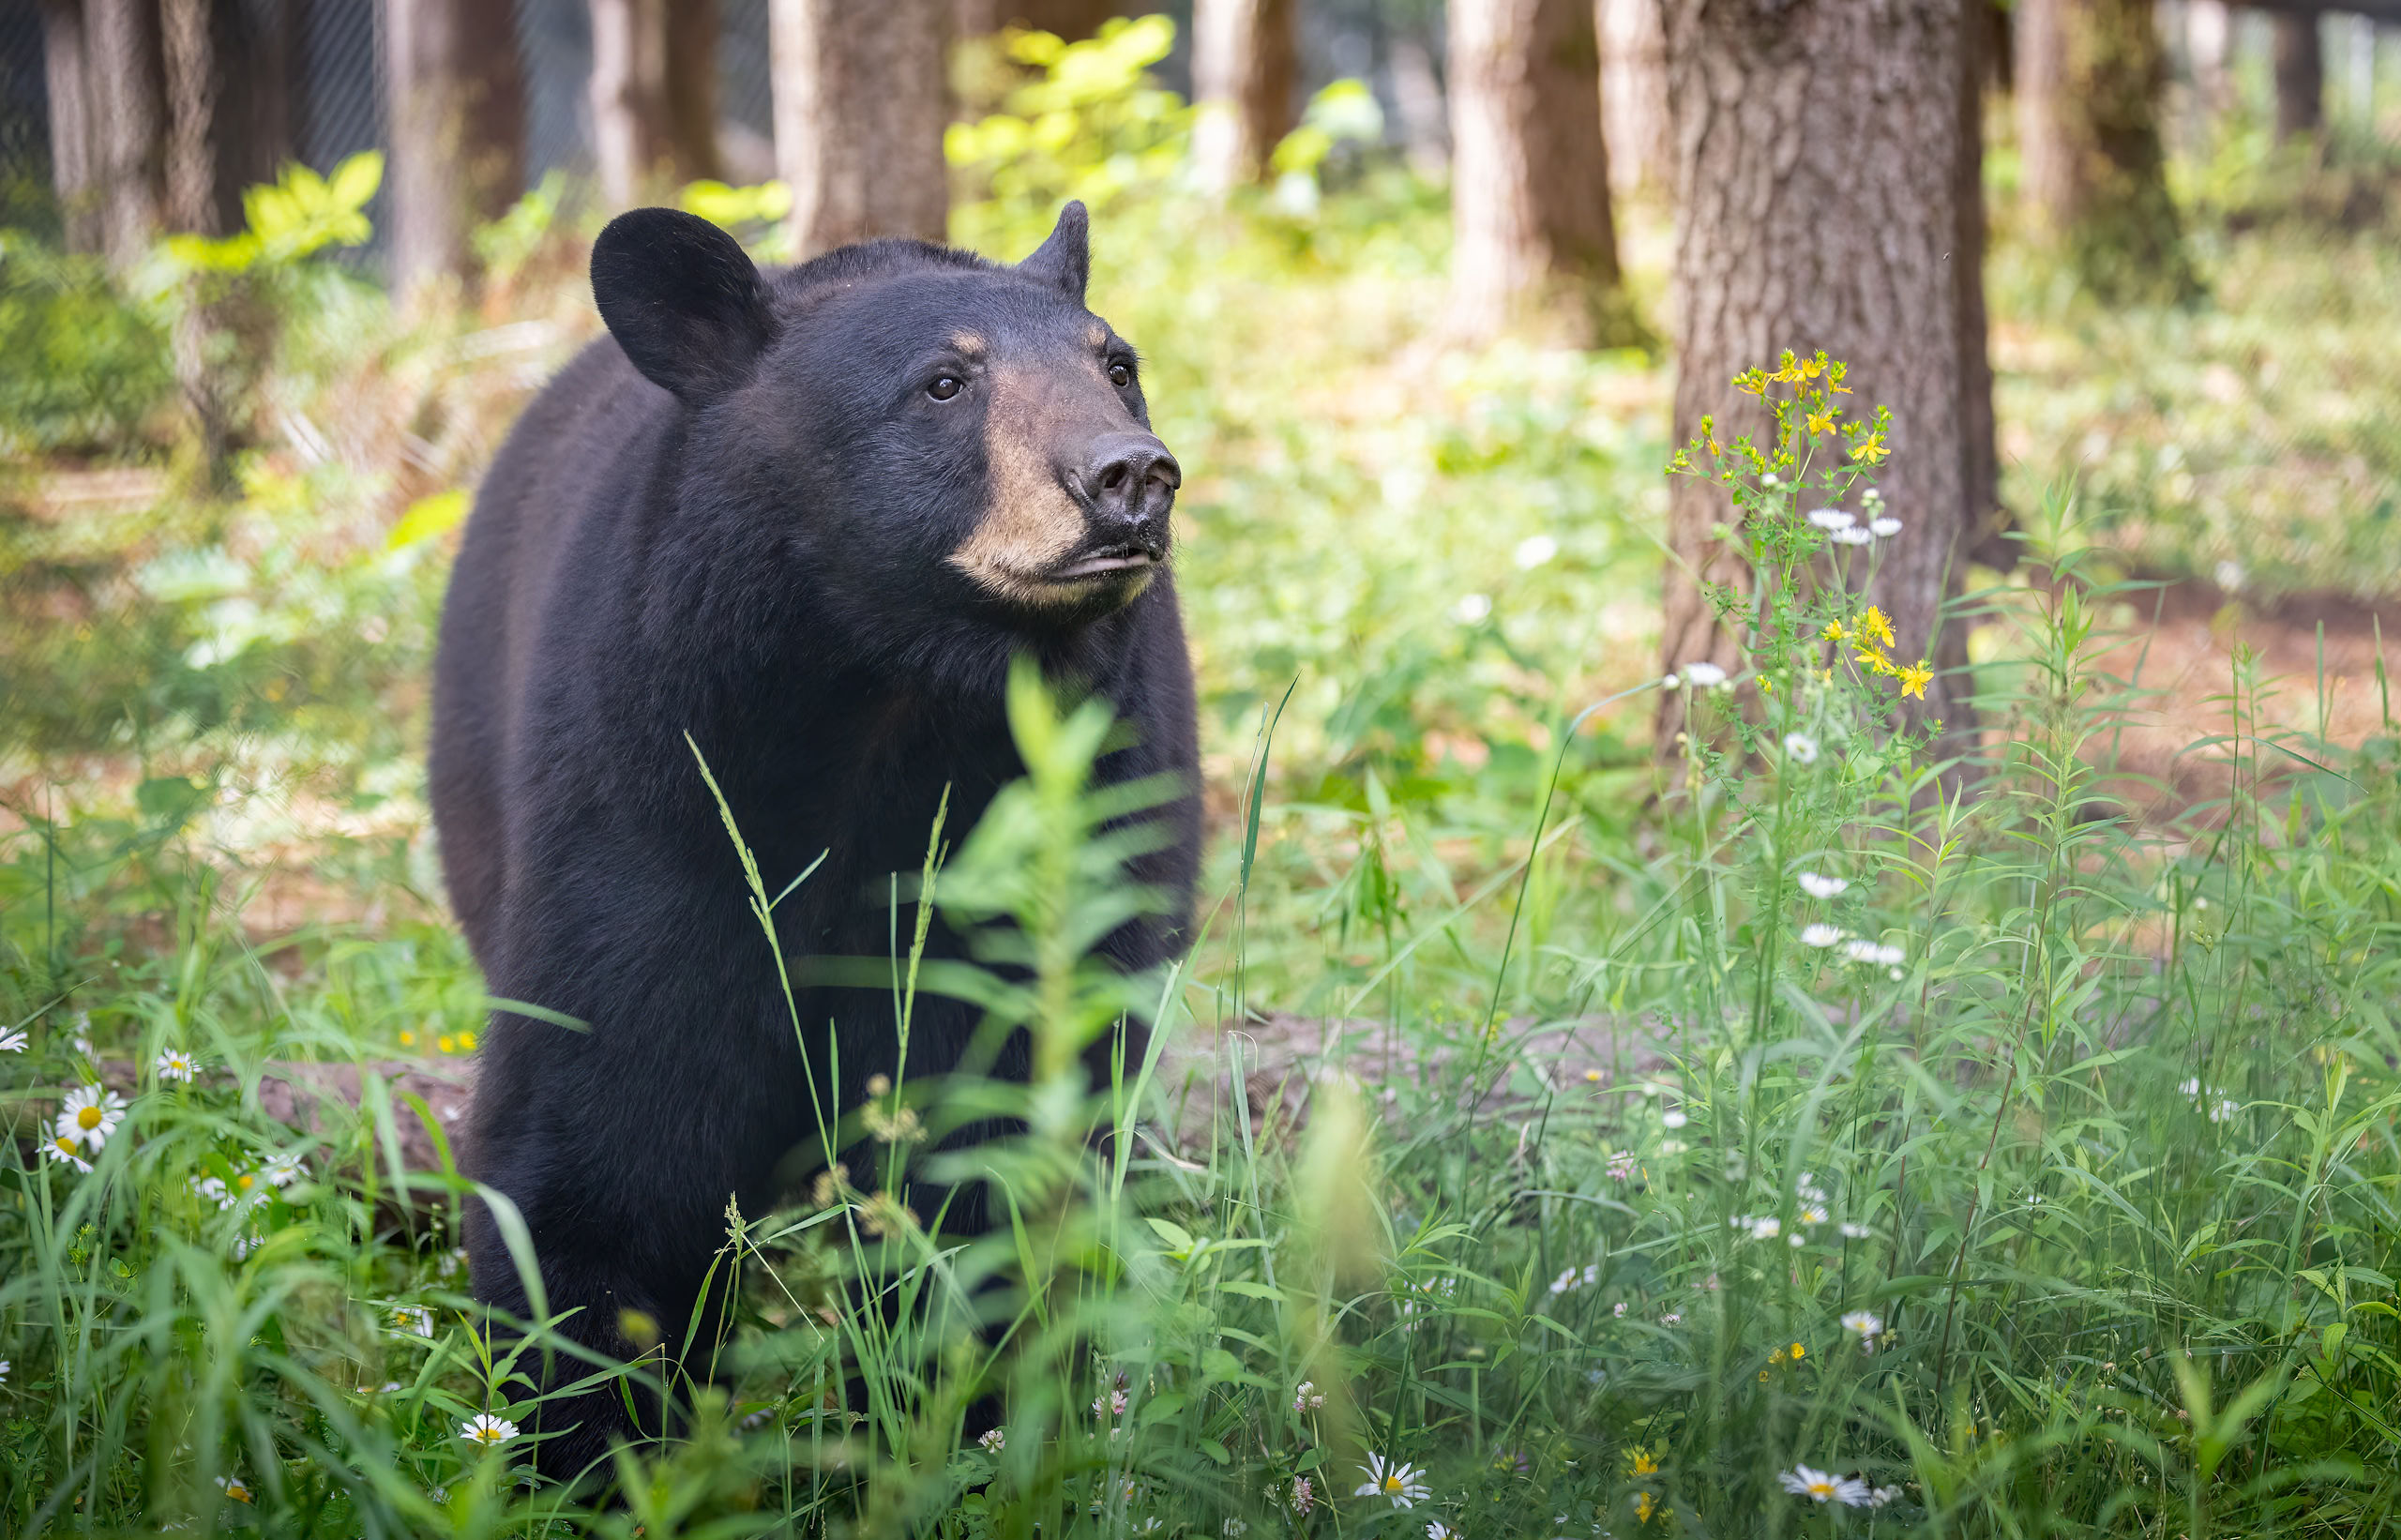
683,300
1065,260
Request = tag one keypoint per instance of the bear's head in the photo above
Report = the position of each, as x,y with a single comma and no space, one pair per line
933,432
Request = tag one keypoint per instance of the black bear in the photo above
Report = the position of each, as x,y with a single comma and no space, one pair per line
808,518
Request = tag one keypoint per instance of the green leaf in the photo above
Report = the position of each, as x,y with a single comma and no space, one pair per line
1174,1235
429,517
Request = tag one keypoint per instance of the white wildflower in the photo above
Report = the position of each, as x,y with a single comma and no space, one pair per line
1830,520
1800,747
1855,1233
1404,1485
1673,1120
993,1441
12,1042
1821,1487
1618,1310
487,1430
415,1319
1884,527
1855,535
1308,1397
62,1150
1534,549
89,1115
1882,1495
1820,934
1864,1324
1819,887
1704,676
175,1064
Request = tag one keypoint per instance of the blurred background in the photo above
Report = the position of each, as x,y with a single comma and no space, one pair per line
1429,293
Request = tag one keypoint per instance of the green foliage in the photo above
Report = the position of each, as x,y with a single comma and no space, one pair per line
88,372
287,219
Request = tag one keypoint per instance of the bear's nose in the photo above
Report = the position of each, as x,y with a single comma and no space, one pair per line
1128,480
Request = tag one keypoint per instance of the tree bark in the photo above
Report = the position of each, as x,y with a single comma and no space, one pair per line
1532,241
1824,154
860,108
128,99
2088,78
456,99
1245,70
73,128
194,82
1073,20
691,89
629,98
1634,97
2301,77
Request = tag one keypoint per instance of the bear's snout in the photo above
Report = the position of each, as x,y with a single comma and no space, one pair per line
1127,482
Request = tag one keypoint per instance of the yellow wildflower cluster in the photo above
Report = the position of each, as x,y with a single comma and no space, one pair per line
448,1042
1870,633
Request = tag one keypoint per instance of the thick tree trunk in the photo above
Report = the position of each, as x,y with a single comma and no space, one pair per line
1245,71
1072,20
629,98
1823,157
691,89
1532,237
860,108
129,139
73,128
194,82
456,99
2088,78
1634,97
2301,77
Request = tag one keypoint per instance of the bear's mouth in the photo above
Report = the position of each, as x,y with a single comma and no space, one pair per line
1107,563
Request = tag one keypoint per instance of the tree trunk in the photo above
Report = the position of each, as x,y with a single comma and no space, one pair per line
1634,97
629,98
860,108
2088,78
193,85
1072,20
1532,241
73,130
1824,154
2301,77
1245,70
129,98
692,90
456,99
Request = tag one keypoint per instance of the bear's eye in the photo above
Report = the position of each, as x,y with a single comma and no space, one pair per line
1120,376
945,387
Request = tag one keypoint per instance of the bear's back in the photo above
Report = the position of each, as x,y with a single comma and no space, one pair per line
592,440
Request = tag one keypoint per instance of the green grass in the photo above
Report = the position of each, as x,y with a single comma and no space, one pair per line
2113,1161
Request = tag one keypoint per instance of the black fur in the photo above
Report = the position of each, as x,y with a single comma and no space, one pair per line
740,533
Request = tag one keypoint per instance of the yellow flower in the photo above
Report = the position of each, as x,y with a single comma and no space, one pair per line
1822,422
1796,1352
1644,1506
1873,622
1834,631
408,1039
1809,369
446,1043
1640,1463
1870,450
1873,658
1915,679
466,1042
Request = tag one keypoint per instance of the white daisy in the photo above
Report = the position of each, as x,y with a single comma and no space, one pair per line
487,1430
1704,676
1534,549
1404,1485
282,1170
1860,951
1766,1228
1812,1214
1820,934
213,1190
62,1150
12,1042
1884,527
1864,1324
1437,1530
1854,535
1800,747
1831,518
1819,887
175,1064
1821,1487
89,1115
